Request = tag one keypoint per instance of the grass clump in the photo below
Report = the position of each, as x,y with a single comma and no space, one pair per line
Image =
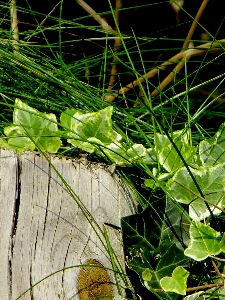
164,89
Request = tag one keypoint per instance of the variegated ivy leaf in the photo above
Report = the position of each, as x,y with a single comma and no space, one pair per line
32,129
212,151
149,252
118,154
217,292
168,156
211,181
81,127
177,282
204,241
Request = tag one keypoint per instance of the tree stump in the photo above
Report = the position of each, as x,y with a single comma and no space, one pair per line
44,233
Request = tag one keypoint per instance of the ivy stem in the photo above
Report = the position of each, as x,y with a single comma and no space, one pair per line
197,288
216,269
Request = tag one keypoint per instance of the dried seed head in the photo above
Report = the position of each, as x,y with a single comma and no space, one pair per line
94,282
176,5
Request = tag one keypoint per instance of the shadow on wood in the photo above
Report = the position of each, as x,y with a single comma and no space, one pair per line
43,230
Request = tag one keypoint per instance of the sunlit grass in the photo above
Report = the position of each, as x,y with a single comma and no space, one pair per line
52,76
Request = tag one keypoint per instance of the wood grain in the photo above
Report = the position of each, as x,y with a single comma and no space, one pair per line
43,229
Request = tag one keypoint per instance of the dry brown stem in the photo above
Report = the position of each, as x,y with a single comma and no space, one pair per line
117,43
204,287
217,270
197,51
198,288
97,18
180,65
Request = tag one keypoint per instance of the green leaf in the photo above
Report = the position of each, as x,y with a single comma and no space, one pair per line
177,283
167,154
93,132
148,254
4,144
18,138
81,127
118,297
146,275
151,183
137,152
117,154
195,296
213,293
177,224
212,184
204,241
212,151
150,157
32,129
222,244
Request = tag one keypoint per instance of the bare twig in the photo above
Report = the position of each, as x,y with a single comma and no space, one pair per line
195,23
14,24
52,29
97,18
204,287
197,51
180,65
217,270
217,258
117,43
87,69
198,288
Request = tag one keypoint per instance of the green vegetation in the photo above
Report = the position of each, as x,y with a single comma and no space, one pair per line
163,130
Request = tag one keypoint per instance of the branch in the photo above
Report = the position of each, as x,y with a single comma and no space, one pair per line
217,270
97,18
117,43
197,288
170,77
197,51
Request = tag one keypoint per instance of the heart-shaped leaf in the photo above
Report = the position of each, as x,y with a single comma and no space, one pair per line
204,241
177,283
32,129
82,126
168,156
212,184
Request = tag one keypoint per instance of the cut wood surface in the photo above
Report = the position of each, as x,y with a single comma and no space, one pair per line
44,230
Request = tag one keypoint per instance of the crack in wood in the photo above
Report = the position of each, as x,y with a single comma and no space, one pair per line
45,236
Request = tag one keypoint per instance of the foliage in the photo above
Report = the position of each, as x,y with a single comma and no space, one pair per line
119,103
90,132
31,129
204,241
176,283
158,256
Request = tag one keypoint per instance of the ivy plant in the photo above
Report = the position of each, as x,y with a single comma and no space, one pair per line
91,132
31,129
162,241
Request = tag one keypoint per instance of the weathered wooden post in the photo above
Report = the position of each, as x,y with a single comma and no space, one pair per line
43,229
